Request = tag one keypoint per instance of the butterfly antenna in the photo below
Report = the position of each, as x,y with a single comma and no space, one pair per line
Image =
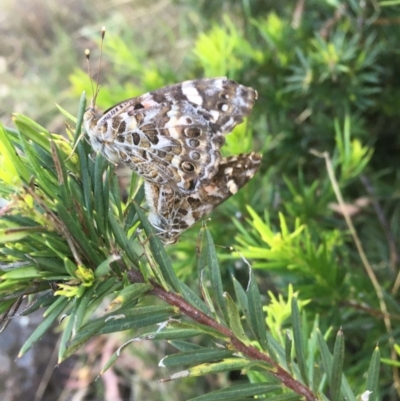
103,32
94,92
82,134
87,55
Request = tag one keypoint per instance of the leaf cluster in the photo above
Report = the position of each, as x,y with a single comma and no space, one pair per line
66,224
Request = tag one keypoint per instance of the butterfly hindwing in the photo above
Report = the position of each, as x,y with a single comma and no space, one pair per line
171,214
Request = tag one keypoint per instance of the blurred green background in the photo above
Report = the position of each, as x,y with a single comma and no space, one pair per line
327,74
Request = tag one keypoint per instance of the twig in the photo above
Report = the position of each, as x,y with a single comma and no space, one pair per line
52,364
298,14
394,255
331,22
368,310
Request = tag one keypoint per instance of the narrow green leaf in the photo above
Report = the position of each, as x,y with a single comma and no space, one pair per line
130,293
66,113
82,308
10,285
16,233
46,298
111,361
79,117
54,247
190,296
57,307
121,237
298,340
104,267
101,210
114,357
82,337
283,397
131,215
107,287
197,326
202,271
50,264
225,365
120,321
185,345
195,357
61,175
86,181
240,295
314,370
45,158
241,391
275,350
256,315
8,151
373,375
47,180
158,252
77,232
112,188
5,307
213,266
326,359
135,186
337,367
124,319
23,273
67,333
32,130
170,334
201,253
70,267
92,298
316,378
88,223
234,320
288,350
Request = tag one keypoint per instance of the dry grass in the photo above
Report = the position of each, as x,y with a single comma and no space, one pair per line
43,41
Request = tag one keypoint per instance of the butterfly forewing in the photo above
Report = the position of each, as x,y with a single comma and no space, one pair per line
172,136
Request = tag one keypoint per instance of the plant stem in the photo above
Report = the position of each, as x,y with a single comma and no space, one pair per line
251,352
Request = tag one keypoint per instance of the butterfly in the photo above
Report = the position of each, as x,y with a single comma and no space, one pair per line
172,138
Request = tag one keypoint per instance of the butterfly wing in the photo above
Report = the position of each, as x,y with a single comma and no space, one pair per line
171,214
172,136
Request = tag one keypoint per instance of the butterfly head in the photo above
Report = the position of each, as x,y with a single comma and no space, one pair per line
90,119
92,113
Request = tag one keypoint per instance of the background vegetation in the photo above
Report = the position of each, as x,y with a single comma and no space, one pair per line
321,218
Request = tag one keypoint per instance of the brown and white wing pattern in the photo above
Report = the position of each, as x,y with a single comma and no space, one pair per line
171,214
172,136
